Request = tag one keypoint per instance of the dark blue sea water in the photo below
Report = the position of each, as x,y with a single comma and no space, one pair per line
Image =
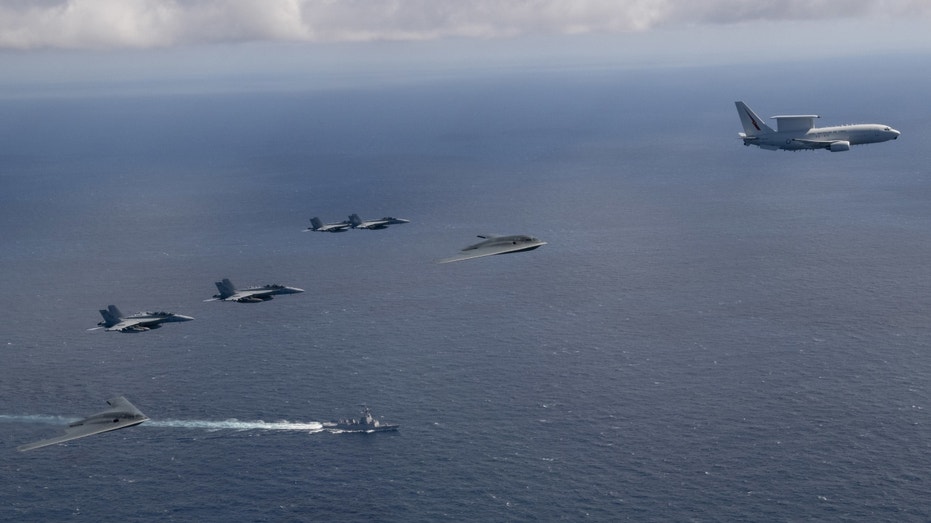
713,332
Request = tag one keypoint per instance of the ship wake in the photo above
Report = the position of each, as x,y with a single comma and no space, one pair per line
235,424
230,424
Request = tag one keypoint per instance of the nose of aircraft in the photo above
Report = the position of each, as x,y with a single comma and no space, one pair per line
181,317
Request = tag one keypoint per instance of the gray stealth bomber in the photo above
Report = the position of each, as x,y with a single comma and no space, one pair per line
496,245
251,295
120,415
113,320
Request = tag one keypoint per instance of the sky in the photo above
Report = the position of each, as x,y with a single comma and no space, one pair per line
105,24
75,43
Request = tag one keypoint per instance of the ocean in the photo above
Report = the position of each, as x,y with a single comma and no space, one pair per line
713,332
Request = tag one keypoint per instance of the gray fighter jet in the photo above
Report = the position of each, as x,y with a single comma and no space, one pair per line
251,295
113,320
359,223
496,245
120,415
318,226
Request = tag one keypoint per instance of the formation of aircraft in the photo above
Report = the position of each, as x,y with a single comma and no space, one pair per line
120,415
798,132
354,222
228,292
792,133
113,320
496,245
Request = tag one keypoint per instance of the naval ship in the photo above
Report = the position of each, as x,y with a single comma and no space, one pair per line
367,423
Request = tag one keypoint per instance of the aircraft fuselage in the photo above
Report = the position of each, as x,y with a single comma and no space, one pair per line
107,418
821,137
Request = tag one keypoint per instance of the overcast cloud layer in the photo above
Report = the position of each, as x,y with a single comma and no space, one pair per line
102,24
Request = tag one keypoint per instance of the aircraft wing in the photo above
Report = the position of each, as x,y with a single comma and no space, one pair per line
332,227
489,251
380,223
245,295
815,143
121,414
130,324
369,224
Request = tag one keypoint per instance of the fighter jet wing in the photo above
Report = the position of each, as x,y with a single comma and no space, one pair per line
488,251
368,224
124,324
246,295
130,325
334,227
121,414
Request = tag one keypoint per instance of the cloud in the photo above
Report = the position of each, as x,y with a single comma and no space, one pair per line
104,24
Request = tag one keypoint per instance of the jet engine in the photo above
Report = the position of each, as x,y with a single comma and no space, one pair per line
839,146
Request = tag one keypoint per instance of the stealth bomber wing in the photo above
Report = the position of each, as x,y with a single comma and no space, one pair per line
120,415
496,245
113,320
228,292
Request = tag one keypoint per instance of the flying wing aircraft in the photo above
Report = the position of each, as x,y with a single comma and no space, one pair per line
120,415
113,320
318,226
228,292
496,245
798,132
359,223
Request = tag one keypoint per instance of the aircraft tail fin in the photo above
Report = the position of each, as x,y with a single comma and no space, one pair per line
111,316
315,223
354,220
753,124
226,288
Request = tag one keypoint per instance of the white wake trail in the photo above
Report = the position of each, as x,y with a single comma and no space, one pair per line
235,424
37,418
230,424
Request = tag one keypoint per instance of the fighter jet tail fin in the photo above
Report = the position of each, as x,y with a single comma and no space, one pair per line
111,315
354,220
226,288
753,125
315,223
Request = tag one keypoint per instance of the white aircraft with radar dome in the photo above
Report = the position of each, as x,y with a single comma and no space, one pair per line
798,132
